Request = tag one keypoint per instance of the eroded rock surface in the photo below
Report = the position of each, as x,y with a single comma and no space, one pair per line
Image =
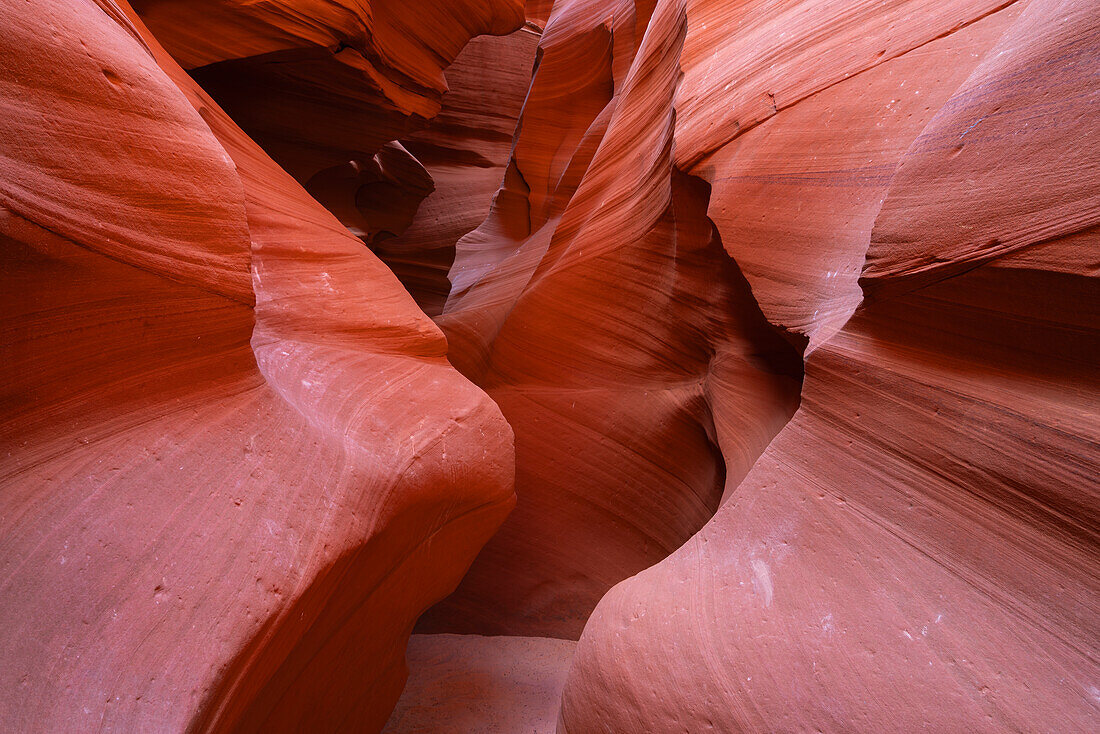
465,149
206,522
917,549
780,320
599,310
494,685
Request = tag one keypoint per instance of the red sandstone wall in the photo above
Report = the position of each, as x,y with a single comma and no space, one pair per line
776,324
206,520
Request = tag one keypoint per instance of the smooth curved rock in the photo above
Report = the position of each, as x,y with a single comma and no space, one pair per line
795,198
1017,143
491,685
918,547
617,337
744,62
791,308
327,87
208,522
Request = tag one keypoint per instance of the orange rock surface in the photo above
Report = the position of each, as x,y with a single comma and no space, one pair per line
668,365
917,549
493,685
206,521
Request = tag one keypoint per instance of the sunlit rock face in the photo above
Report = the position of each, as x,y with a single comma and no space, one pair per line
666,365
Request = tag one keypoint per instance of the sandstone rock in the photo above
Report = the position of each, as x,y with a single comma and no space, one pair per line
325,86
917,548
207,522
617,337
790,308
320,82
493,685
465,149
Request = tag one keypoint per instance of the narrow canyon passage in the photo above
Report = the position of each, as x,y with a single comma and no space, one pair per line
563,366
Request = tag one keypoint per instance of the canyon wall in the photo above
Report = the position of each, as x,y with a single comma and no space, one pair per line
667,365
209,521
917,548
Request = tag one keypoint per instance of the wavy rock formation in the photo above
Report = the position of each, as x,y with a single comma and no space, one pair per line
465,149
777,324
615,334
317,82
324,85
918,547
206,522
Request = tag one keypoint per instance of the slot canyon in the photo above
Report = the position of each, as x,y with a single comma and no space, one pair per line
550,367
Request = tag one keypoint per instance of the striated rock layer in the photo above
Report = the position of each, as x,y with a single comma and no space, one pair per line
319,82
918,548
465,149
323,85
782,319
598,309
207,521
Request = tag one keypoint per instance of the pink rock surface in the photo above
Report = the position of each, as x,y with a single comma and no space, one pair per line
207,522
931,565
1017,143
917,549
744,62
780,319
626,437
795,198
491,685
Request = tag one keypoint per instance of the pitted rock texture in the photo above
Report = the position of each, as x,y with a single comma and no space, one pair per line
917,549
776,323
206,522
